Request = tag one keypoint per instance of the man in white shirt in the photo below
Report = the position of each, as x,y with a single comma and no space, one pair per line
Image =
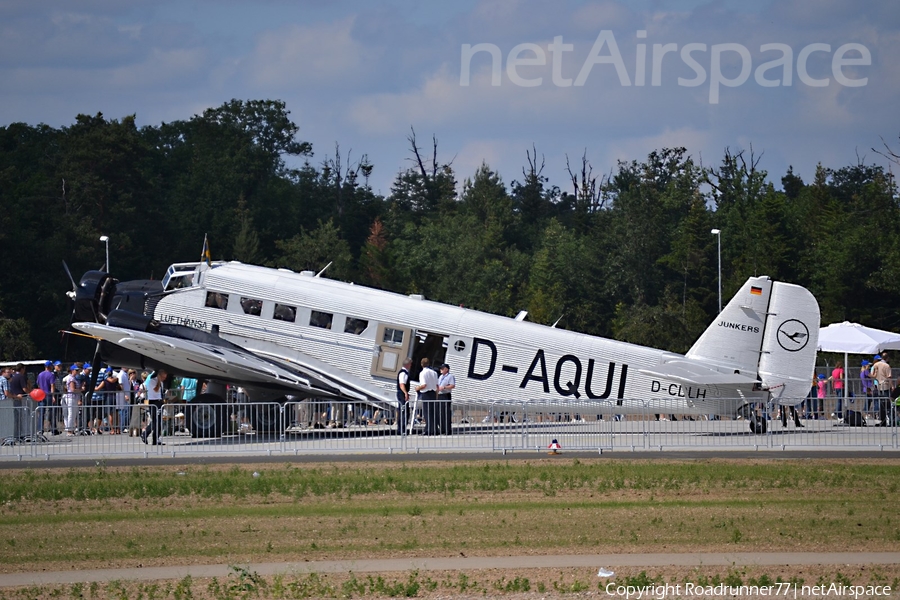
71,400
427,391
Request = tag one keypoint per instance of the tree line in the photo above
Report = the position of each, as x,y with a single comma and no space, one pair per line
627,255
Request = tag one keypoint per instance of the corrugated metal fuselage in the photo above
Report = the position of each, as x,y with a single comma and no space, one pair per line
494,358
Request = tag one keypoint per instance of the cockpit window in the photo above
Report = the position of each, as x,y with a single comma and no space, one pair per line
320,319
285,313
217,300
355,326
179,276
251,306
181,281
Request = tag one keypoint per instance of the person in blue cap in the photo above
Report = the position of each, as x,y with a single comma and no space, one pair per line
866,385
59,373
45,382
107,391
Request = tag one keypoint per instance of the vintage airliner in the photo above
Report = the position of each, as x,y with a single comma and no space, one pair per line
276,332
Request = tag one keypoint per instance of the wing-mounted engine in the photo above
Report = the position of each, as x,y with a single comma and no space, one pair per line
98,295
93,296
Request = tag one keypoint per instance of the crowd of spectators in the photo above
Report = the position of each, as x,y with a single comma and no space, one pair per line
64,406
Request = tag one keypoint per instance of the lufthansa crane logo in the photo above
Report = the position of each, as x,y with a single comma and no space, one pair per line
793,335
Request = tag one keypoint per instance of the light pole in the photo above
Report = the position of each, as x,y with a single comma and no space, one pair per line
718,235
105,240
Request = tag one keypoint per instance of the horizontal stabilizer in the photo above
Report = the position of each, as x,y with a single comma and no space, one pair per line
696,374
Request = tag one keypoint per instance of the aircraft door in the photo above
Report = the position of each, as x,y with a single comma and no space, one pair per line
392,346
432,346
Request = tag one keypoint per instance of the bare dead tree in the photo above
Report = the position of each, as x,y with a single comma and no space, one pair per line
892,157
433,175
533,173
737,167
588,194
888,153
335,172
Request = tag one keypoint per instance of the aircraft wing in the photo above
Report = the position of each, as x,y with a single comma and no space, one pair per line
230,363
696,374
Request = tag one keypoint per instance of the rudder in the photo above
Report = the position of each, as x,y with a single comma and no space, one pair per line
790,342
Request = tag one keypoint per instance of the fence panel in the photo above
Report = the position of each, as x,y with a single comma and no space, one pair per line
67,427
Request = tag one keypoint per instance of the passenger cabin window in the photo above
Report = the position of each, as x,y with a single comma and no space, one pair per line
284,312
355,326
320,319
393,336
251,306
217,300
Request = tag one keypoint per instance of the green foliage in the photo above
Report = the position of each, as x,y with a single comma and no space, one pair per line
672,324
246,242
313,250
517,584
15,339
628,256
733,579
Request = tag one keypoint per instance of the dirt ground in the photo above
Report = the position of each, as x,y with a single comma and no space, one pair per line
176,531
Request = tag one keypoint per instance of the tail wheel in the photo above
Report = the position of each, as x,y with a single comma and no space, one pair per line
208,416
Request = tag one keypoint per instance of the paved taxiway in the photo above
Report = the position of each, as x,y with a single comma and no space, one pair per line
458,563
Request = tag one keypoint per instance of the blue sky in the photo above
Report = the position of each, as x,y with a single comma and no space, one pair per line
361,73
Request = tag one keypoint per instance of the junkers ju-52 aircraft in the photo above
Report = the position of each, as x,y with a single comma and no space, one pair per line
276,332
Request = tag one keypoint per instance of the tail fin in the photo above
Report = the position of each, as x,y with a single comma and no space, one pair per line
789,345
734,341
769,330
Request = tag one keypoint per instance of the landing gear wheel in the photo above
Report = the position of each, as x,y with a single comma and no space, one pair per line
757,424
266,417
208,416
745,412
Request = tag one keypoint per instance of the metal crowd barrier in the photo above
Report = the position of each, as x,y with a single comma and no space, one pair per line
105,428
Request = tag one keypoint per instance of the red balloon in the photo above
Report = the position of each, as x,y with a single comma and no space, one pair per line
37,394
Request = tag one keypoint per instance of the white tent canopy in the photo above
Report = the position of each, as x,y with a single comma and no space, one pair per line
853,338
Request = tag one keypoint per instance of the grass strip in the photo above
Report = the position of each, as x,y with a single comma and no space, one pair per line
81,518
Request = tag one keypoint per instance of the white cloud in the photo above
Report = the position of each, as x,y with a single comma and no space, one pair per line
590,18
306,55
361,73
637,148
494,152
